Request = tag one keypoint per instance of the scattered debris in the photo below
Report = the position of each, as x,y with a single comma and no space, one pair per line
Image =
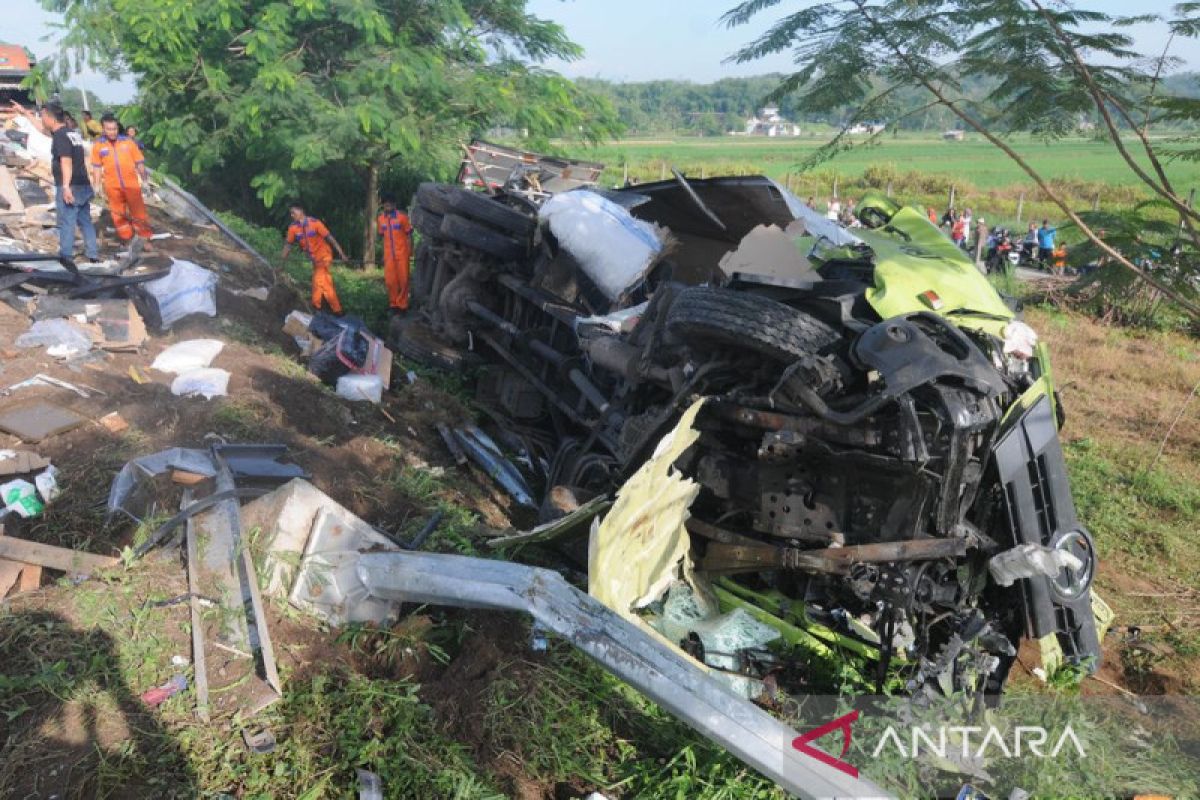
1030,560
208,383
313,546
159,694
426,531
35,421
20,497
46,380
259,742
131,492
20,462
260,293
633,654
171,191
72,562
60,337
259,463
188,355
370,785
360,387
114,422
484,452
187,289
452,444
574,523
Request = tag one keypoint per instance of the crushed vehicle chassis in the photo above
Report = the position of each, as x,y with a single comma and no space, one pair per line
878,449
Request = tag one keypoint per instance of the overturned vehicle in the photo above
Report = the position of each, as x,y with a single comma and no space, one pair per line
878,456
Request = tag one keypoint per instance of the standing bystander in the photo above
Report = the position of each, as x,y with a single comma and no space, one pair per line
312,237
396,232
118,166
72,190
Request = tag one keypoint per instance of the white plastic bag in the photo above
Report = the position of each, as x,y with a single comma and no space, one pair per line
189,289
209,382
360,387
21,498
187,356
613,248
47,484
61,338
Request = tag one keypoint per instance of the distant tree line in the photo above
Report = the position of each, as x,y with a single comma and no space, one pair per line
713,109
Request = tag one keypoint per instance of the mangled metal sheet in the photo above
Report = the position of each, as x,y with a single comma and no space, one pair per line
641,547
666,676
311,545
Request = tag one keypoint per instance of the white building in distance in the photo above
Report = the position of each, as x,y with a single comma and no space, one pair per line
869,128
768,122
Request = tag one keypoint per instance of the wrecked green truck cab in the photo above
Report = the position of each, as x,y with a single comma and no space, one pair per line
875,463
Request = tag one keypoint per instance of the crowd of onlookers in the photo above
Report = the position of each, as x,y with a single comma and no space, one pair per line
1038,248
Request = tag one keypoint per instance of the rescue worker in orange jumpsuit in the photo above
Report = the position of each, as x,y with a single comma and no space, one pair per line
396,232
119,166
312,237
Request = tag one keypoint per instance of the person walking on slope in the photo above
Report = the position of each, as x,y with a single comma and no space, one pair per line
396,232
119,166
313,238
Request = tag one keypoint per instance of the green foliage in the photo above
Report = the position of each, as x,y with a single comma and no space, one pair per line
1047,68
264,100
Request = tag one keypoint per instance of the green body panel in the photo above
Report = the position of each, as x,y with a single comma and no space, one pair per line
913,256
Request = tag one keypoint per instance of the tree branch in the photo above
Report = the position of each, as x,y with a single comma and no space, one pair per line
1100,97
919,77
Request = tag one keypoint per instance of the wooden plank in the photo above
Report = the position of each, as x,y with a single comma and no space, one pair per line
61,558
10,571
31,578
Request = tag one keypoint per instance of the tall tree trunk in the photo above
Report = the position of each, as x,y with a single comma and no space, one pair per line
372,212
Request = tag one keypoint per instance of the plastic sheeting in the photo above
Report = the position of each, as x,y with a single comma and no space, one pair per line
208,383
188,289
124,487
612,247
60,337
189,355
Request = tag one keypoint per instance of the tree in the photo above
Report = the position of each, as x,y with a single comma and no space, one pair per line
301,98
1045,65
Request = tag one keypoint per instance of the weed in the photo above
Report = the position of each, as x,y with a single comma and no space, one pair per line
239,419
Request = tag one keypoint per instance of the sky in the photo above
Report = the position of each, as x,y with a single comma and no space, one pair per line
624,40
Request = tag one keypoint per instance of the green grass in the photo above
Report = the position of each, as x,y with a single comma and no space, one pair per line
1147,515
362,294
921,168
974,161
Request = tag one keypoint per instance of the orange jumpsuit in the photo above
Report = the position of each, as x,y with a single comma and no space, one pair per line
396,230
310,236
119,159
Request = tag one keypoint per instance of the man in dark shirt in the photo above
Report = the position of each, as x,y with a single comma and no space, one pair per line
73,196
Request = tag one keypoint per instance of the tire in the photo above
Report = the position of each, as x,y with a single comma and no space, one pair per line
481,208
414,341
745,321
426,222
434,197
477,237
423,271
